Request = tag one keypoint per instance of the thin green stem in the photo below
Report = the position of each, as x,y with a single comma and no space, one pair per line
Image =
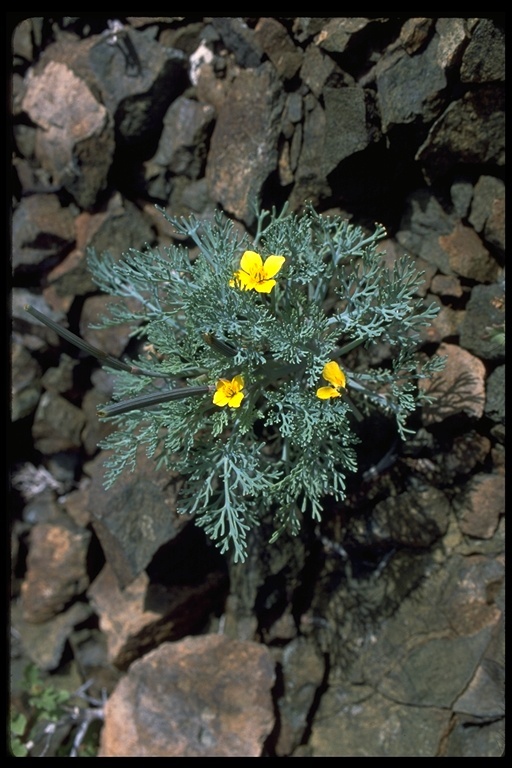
146,401
103,357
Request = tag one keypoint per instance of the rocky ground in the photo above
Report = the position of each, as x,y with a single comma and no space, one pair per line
380,632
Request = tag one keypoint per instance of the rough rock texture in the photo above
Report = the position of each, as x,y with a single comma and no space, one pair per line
199,697
380,631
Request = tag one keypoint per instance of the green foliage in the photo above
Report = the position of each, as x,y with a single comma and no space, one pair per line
205,321
58,722
46,699
18,728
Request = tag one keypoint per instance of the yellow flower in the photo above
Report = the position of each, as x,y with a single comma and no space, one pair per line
256,275
335,376
229,392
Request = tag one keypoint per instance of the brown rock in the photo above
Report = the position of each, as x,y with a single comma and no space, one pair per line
113,339
76,504
414,33
57,569
337,34
144,615
467,255
279,47
204,696
445,325
468,451
459,388
118,227
446,285
75,141
482,504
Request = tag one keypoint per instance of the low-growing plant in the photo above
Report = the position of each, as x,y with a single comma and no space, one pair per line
56,722
242,384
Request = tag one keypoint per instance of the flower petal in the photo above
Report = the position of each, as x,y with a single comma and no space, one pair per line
334,375
236,399
220,398
252,263
242,280
265,286
272,265
237,383
324,393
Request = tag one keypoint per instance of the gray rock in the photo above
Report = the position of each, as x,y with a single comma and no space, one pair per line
134,517
416,518
316,69
44,643
395,698
137,94
182,147
310,181
495,395
484,319
484,57
470,132
25,382
57,424
488,211
411,89
240,39
42,233
60,379
424,219
349,124
243,149
303,671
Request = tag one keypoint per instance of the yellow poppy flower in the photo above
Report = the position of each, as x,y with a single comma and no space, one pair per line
335,376
256,275
229,392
